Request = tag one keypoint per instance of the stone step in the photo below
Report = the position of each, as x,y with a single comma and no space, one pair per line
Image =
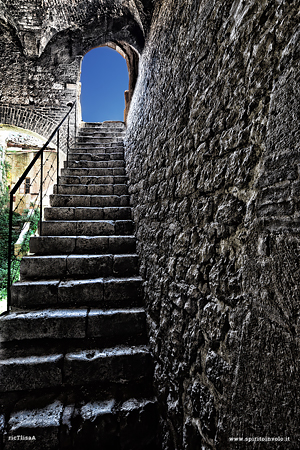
96,156
77,368
87,228
75,324
92,179
103,129
96,146
98,140
99,292
60,245
106,123
91,189
98,150
76,170
78,266
93,149
93,420
89,200
85,164
110,133
87,213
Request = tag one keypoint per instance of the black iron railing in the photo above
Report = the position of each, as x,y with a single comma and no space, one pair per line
41,195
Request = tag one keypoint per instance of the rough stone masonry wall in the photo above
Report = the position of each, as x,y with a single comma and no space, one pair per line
213,158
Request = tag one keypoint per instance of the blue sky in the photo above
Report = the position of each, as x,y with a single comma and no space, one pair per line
104,78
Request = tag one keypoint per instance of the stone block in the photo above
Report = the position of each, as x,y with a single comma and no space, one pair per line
124,227
119,363
34,293
120,323
69,200
120,189
61,213
35,267
95,228
92,244
59,228
125,265
122,244
112,200
116,213
52,245
80,292
89,214
50,324
123,291
30,372
81,266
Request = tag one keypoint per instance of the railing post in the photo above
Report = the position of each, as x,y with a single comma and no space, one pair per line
9,252
75,122
41,195
68,138
57,159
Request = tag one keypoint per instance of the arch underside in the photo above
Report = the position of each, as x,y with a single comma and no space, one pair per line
88,24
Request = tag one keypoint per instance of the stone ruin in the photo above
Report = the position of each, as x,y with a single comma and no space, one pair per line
212,159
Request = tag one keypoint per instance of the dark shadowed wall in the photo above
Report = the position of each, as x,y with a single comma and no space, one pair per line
213,159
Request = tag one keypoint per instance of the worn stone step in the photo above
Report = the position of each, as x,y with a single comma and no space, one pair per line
84,164
95,156
103,129
99,292
92,179
88,137
87,213
72,324
111,134
59,245
91,189
117,364
87,228
106,123
97,147
89,200
99,135
98,150
93,171
78,266
77,421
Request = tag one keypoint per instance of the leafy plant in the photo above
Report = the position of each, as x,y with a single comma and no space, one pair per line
18,221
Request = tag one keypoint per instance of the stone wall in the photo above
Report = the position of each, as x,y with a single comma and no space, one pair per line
212,150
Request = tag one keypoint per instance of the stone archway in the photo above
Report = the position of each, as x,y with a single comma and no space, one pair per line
42,56
131,57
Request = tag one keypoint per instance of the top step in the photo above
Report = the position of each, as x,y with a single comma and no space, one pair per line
106,124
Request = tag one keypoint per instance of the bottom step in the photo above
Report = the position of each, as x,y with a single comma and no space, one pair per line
67,422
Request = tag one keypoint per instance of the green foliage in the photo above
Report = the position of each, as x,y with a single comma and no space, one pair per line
4,194
18,221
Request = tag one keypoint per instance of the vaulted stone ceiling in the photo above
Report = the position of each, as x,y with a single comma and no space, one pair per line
88,23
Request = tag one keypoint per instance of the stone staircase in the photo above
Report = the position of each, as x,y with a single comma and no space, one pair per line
76,371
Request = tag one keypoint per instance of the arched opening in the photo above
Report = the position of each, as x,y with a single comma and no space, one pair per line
108,77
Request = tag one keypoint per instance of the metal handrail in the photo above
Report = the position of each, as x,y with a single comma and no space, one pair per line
22,178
